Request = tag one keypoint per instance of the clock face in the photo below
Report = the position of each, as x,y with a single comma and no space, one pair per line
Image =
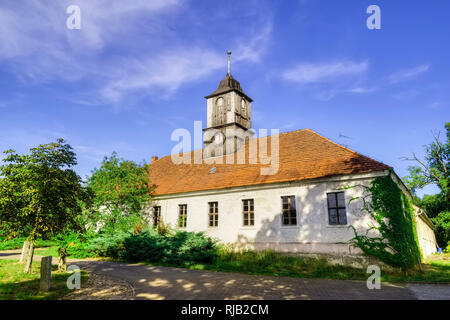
220,102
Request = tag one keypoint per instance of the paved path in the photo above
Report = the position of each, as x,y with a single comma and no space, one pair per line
151,282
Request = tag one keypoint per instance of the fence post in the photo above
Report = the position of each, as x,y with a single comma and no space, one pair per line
46,273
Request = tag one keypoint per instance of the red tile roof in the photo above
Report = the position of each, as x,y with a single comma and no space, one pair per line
303,154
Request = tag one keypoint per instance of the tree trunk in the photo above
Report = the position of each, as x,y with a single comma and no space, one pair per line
29,257
25,247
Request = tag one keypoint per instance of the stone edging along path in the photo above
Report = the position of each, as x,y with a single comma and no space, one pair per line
154,282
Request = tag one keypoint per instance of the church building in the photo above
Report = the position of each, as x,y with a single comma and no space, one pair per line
301,207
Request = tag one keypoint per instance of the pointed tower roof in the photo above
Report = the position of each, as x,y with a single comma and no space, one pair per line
228,84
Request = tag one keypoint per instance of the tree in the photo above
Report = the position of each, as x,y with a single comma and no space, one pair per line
121,189
434,169
40,193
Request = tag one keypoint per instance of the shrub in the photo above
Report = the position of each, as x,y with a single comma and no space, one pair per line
75,243
177,248
108,244
442,227
192,247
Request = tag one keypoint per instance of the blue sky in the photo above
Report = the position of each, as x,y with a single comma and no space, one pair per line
139,69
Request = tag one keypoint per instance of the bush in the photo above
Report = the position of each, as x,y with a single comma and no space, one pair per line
108,244
442,228
176,248
76,245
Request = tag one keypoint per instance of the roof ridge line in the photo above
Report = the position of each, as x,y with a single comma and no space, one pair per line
345,148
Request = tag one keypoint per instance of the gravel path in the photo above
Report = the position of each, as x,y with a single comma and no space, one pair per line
152,282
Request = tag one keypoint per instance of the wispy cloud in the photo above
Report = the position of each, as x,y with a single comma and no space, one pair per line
326,80
407,74
124,50
310,73
165,72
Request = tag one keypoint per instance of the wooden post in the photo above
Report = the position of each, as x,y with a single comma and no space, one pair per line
46,274
29,257
62,264
24,251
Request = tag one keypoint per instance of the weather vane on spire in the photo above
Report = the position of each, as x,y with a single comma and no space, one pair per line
229,62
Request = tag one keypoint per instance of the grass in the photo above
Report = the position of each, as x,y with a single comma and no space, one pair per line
49,251
436,269
17,243
17,285
272,264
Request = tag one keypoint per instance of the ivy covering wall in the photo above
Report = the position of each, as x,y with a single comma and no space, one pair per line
397,244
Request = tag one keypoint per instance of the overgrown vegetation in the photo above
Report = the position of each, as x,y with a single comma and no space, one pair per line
397,243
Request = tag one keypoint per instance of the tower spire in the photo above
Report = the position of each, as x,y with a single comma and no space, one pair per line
229,62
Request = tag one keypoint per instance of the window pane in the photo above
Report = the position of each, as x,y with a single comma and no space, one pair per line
292,202
342,216
331,200
341,199
333,216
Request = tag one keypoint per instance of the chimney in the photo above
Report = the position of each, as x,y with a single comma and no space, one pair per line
154,158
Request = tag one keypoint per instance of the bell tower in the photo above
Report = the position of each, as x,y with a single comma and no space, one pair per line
228,117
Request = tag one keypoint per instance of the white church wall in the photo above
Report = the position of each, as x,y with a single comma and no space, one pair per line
312,234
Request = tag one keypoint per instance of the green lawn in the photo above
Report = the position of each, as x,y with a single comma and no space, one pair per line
49,251
16,285
269,263
434,269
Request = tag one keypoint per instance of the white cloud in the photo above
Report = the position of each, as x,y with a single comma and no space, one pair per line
124,48
408,74
310,73
165,72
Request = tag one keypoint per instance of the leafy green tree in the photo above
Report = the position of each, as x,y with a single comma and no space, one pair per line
434,169
442,228
121,190
40,193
